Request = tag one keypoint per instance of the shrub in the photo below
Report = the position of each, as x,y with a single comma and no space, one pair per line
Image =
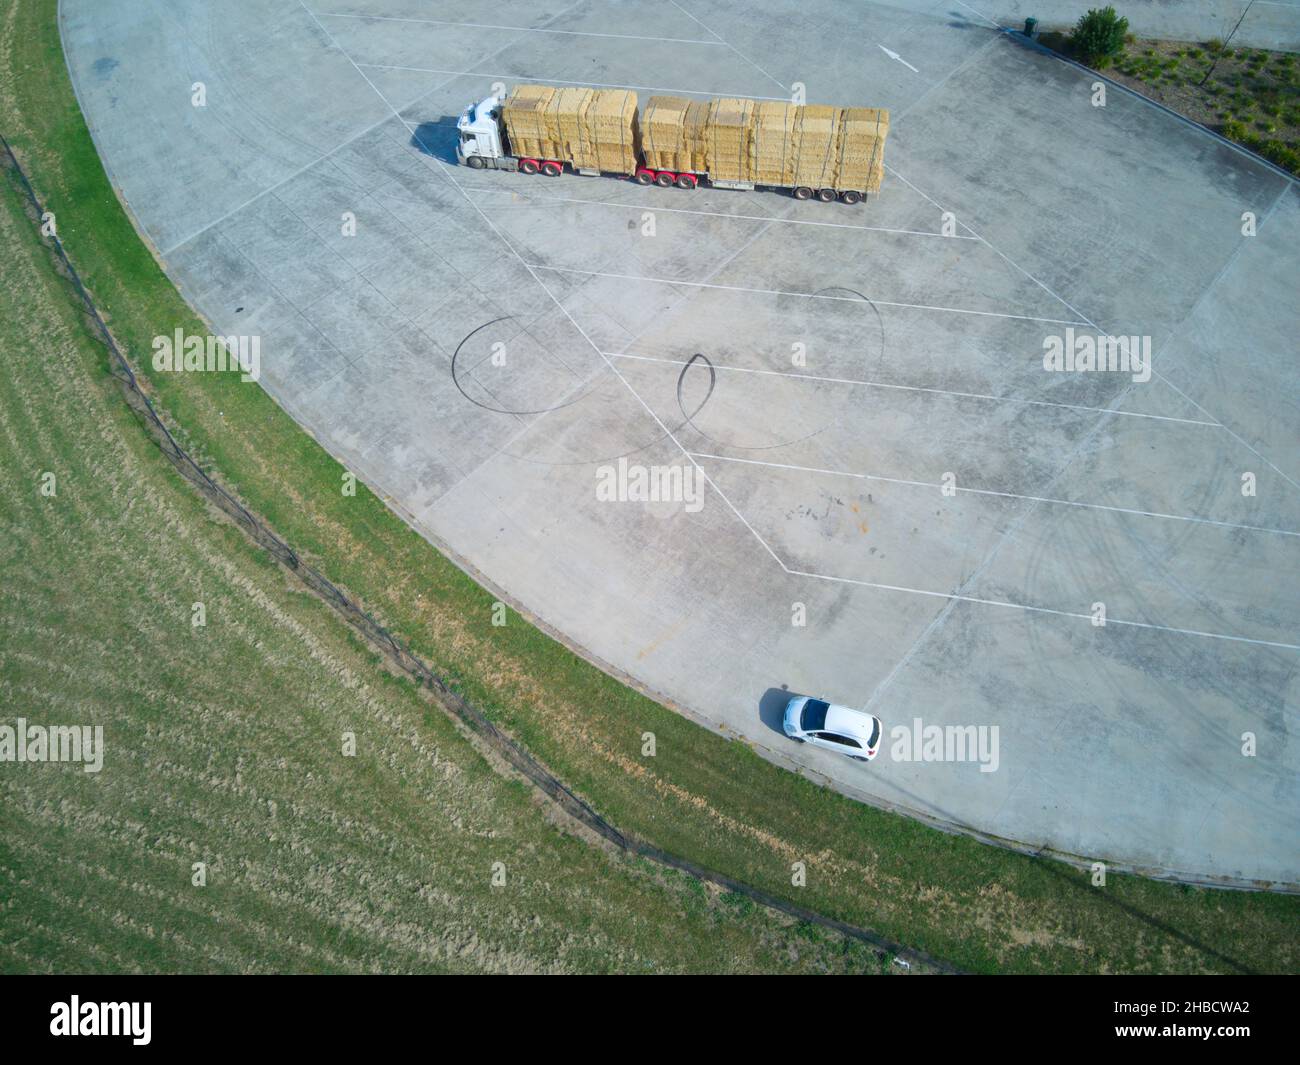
1285,157
1098,36
1234,130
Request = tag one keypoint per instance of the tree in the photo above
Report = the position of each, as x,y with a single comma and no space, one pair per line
1098,36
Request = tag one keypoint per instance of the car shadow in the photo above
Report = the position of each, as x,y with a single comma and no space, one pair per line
771,707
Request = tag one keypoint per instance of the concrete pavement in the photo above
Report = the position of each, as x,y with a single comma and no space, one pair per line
485,344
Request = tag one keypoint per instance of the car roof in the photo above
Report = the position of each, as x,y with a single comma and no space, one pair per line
848,722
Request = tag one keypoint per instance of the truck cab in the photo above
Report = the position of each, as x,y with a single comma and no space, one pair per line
478,134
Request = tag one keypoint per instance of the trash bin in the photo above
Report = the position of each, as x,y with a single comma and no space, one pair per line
1031,26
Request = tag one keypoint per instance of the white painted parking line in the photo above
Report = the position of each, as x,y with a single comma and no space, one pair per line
951,597
717,214
1003,495
798,295
1093,325
447,171
981,14
920,388
737,52
954,597
522,29
561,81
337,148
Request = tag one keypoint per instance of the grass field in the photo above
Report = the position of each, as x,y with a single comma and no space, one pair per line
229,737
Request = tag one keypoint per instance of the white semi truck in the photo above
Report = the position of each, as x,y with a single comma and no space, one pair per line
481,139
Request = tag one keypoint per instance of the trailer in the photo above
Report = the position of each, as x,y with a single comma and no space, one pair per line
813,151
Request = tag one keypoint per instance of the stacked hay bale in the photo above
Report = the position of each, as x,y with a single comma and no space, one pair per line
818,135
593,129
566,116
611,135
529,127
697,136
862,148
664,133
674,134
730,140
774,147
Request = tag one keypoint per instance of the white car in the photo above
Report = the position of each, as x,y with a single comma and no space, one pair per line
837,728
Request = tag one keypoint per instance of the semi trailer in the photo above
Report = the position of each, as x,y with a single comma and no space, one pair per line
814,151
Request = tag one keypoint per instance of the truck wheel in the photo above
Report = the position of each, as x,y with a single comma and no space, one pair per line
474,162
827,195
850,197
528,166
802,192
664,179
686,181
552,169
644,177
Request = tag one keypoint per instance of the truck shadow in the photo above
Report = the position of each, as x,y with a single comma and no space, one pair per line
771,708
436,139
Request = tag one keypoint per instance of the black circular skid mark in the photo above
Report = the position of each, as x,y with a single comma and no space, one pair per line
880,321
681,381
688,419
499,410
668,434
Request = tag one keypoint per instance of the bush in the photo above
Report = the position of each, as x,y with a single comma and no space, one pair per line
1099,36
1234,131
1285,157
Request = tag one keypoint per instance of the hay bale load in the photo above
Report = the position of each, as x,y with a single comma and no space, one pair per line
567,116
674,134
697,135
862,148
611,133
664,133
732,140
774,146
594,129
729,138
818,135
530,129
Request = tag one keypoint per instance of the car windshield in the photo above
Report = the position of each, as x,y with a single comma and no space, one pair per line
875,732
814,715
